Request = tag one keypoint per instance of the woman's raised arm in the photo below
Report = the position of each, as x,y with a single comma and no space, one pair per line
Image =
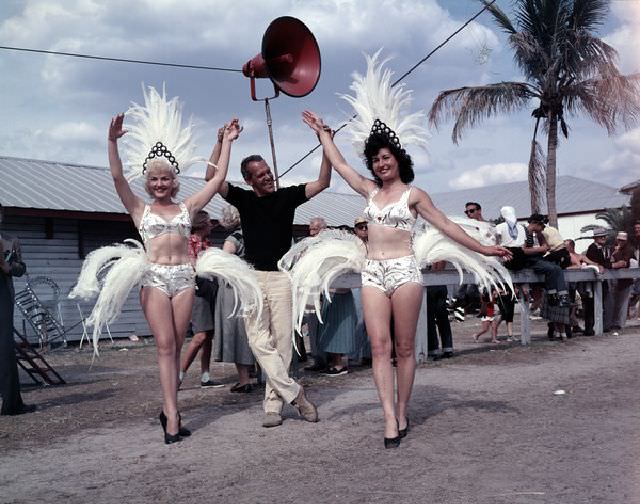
131,202
428,211
200,199
357,182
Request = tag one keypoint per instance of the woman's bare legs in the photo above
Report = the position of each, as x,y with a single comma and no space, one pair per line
181,305
376,307
405,301
166,318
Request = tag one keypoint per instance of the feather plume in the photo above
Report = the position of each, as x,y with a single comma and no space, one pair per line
238,274
374,98
158,120
124,265
314,263
432,245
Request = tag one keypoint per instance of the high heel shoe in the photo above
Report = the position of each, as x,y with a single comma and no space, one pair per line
392,442
172,438
183,431
403,432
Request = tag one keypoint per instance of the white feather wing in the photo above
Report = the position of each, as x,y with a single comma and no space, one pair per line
431,245
314,263
214,262
124,265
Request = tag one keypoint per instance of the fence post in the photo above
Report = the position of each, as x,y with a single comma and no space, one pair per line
597,306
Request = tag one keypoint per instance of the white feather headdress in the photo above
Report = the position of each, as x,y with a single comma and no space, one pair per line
375,99
158,120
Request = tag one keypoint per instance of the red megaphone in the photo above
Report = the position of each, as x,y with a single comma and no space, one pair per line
290,57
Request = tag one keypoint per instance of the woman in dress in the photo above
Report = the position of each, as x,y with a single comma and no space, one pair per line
231,343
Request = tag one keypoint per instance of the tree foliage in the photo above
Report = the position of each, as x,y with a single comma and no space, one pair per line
568,71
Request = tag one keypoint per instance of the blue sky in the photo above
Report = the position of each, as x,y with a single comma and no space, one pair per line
58,108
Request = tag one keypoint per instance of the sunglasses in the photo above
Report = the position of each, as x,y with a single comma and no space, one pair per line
469,212
361,226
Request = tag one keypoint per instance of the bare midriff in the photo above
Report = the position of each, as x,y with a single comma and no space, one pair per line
388,243
168,249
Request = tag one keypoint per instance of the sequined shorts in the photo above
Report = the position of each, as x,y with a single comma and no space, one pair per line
169,278
389,274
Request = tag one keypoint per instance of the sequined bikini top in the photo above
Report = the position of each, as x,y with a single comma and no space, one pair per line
152,225
396,215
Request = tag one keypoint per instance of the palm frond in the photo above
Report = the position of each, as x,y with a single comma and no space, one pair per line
589,14
610,100
469,105
500,17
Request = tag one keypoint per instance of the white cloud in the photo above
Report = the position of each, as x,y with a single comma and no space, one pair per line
489,174
622,165
626,38
630,140
72,131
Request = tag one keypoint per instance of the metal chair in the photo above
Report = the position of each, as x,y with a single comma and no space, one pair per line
40,305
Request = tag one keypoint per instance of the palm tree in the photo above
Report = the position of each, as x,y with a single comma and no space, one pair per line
567,69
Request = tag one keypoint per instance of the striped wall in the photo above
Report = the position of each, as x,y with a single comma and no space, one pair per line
51,247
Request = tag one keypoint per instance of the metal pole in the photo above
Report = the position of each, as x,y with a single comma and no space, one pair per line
273,148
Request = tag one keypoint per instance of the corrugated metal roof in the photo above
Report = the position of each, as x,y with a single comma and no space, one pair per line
64,186
49,185
573,195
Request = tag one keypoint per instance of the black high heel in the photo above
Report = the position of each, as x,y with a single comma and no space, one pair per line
172,438
183,431
403,432
392,442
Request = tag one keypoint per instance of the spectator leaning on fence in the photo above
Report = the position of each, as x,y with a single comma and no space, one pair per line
634,262
579,261
620,288
554,278
599,253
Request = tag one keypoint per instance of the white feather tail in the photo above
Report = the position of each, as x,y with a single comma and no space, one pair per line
314,263
121,267
431,246
214,262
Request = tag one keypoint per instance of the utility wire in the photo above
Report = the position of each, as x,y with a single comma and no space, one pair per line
438,47
122,60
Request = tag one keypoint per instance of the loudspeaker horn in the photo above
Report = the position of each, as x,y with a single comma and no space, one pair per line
290,57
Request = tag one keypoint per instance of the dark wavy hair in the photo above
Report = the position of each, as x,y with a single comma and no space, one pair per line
372,146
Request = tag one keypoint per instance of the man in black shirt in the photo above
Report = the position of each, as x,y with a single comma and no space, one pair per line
266,216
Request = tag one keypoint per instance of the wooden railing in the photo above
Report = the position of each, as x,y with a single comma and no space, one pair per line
451,277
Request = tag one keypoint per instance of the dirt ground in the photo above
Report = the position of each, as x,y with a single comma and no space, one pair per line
486,427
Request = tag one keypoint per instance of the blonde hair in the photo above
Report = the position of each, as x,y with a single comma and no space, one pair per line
230,217
157,165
